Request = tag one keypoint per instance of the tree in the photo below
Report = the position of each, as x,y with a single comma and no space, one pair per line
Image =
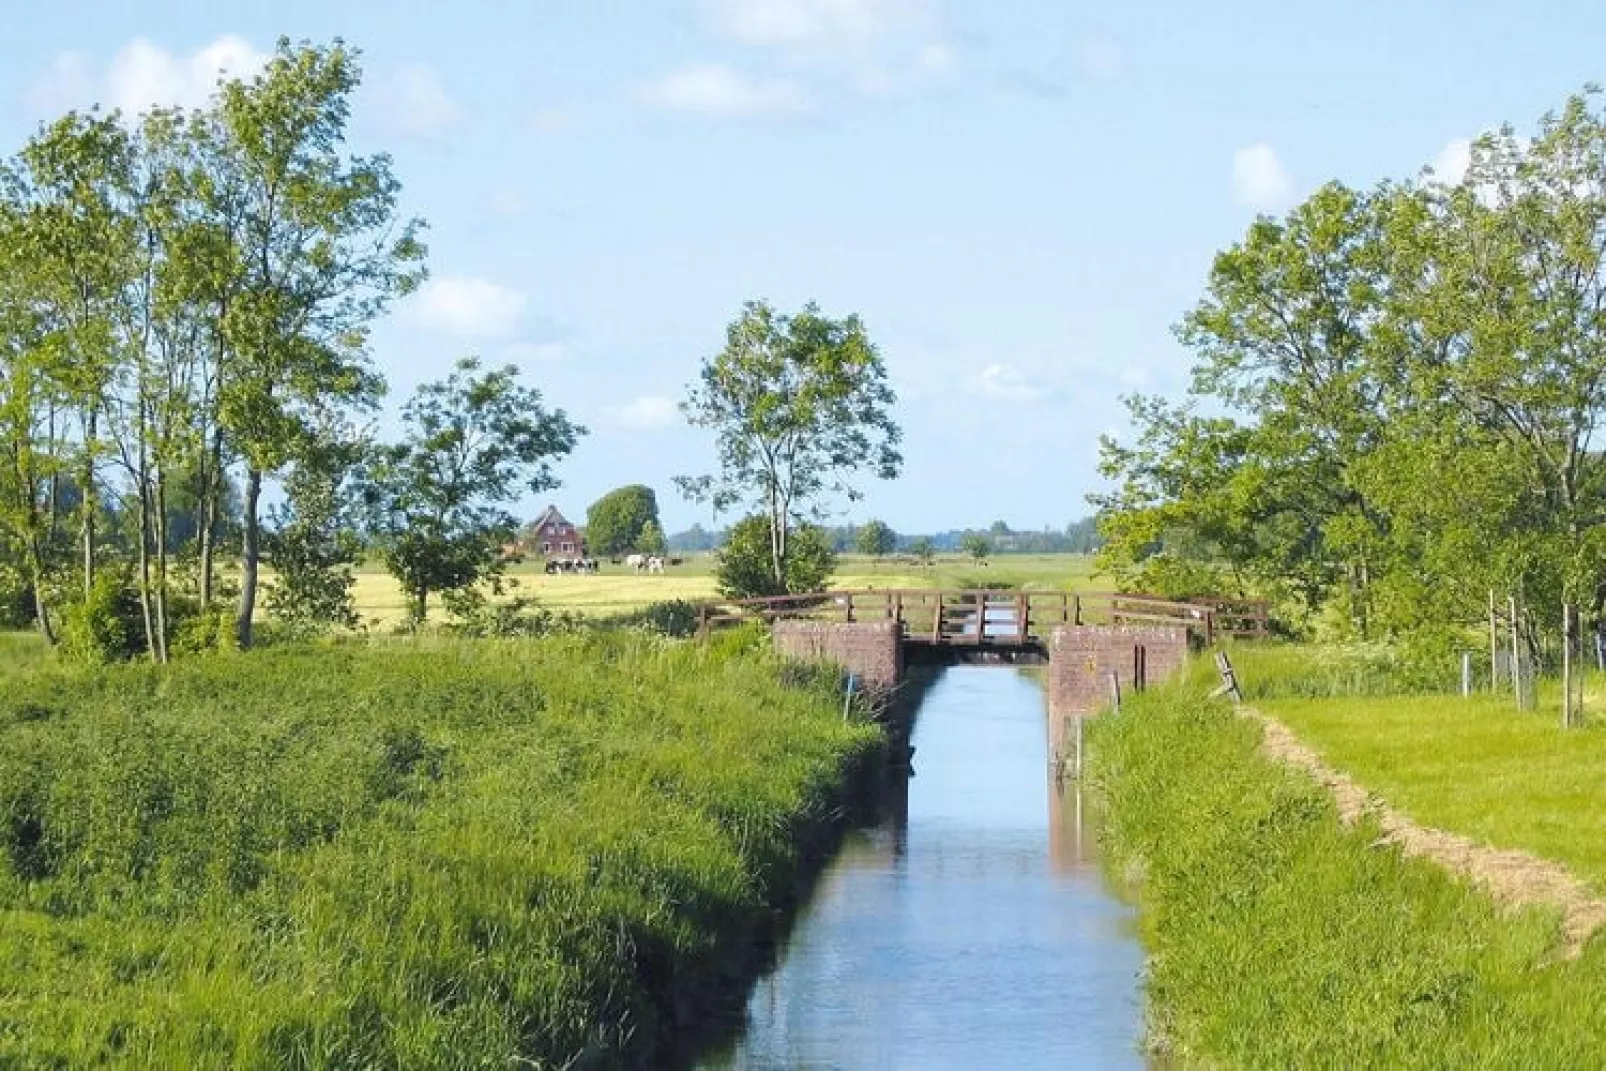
923,550
474,442
876,539
800,405
615,522
318,253
977,545
744,566
651,540
313,544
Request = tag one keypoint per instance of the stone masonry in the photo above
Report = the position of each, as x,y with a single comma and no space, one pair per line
1082,657
872,650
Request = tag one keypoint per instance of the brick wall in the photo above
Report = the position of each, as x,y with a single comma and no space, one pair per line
873,650
1081,658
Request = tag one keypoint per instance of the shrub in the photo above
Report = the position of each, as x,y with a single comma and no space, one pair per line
745,569
675,618
107,624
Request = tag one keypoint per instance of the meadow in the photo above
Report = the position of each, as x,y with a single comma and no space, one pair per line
1279,937
618,590
402,852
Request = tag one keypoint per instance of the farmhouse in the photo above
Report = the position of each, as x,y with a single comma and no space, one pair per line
551,535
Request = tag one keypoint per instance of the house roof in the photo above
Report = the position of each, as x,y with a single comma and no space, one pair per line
550,515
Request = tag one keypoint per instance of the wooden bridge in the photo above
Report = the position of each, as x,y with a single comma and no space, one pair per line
996,619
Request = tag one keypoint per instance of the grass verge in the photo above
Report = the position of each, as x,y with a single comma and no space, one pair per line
1279,937
407,854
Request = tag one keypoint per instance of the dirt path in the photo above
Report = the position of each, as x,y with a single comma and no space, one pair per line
1515,878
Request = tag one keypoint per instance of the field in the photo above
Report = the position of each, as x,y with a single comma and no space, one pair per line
401,853
617,589
1281,938
1475,766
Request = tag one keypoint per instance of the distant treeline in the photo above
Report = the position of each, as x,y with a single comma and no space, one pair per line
1078,537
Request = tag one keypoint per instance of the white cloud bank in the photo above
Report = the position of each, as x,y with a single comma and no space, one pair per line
142,75
413,103
1450,166
1260,180
470,307
1010,384
717,90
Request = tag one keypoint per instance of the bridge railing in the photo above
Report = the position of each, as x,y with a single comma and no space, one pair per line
981,616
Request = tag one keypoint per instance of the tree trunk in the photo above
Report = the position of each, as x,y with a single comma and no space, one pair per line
250,549
211,492
145,608
41,609
421,606
87,503
161,565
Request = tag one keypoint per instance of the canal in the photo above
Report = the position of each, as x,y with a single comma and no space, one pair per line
970,927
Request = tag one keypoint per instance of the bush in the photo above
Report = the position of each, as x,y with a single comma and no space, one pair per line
520,616
675,618
745,570
107,624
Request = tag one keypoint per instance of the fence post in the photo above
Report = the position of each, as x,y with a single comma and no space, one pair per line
1494,647
1466,674
1115,691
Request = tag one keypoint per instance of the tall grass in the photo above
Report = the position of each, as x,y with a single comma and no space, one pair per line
1280,938
399,855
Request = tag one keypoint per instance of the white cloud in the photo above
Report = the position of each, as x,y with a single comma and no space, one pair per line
1450,166
716,90
471,307
1100,59
142,75
879,45
649,412
1006,382
1260,179
413,103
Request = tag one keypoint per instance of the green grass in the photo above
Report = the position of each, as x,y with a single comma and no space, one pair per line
1280,938
406,854
618,590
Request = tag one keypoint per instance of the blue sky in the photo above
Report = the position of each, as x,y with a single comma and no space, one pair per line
1019,197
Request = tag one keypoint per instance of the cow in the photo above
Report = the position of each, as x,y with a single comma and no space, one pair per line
655,564
638,562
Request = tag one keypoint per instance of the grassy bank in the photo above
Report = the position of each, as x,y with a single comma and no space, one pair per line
419,854
1280,938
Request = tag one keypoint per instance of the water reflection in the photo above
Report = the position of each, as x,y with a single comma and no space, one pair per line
971,927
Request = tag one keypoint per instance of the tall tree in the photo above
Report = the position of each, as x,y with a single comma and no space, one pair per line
474,442
875,538
800,405
615,522
320,252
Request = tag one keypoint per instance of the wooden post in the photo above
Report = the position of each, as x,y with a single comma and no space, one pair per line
850,608
897,609
1516,661
704,611
936,619
981,617
1023,613
1466,674
1115,691
1076,601
1494,647
1229,679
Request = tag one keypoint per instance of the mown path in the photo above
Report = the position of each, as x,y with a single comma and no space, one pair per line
1514,878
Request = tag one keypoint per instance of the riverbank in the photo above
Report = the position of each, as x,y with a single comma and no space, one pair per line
422,853
1279,936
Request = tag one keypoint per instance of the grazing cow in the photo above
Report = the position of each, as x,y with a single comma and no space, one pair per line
655,564
638,562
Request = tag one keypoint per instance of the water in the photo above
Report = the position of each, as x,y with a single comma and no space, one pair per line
971,928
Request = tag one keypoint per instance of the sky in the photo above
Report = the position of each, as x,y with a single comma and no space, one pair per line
1019,197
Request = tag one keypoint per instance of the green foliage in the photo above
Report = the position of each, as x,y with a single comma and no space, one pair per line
1406,387
651,540
1341,952
674,618
474,442
416,854
504,618
107,624
976,545
875,538
617,523
923,550
800,405
744,565
312,544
